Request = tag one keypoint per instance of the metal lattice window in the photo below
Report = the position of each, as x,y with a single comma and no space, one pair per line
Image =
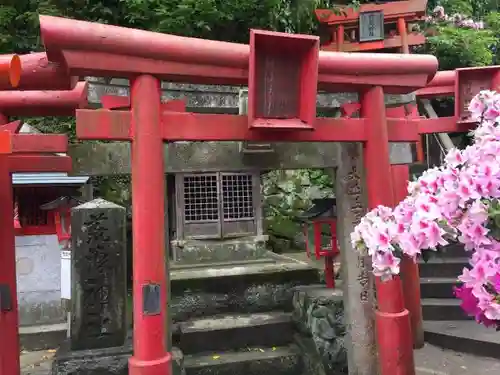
201,201
237,197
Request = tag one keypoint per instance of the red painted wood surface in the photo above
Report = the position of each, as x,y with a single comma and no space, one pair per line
107,50
282,80
9,344
409,268
29,153
390,313
10,71
468,83
443,84
38,73
390,42
43,103
115,125
148,195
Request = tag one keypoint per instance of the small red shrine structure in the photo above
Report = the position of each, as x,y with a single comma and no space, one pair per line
320,232
30,153
372,27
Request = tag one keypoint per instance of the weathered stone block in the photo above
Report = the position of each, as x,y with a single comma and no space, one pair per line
98,275
246,289
356,269
318,313
109,361
196,252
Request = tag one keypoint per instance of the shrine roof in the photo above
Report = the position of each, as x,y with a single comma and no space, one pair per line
22,179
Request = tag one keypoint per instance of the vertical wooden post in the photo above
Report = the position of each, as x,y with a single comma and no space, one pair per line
392,319
340,38
148,196
403,33
409,269
9,320
405,48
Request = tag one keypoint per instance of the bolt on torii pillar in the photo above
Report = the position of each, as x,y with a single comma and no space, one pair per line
30,153
282,93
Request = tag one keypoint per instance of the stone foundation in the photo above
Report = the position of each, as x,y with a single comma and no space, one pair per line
110,361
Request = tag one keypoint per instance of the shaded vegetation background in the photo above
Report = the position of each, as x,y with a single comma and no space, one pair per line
286,193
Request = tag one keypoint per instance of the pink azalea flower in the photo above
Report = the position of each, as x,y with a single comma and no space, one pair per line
448,203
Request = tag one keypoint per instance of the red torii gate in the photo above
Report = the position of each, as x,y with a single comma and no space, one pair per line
10,71
274,66
36,72
28,153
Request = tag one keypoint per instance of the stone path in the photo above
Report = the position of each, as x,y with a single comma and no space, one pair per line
436,361
430,360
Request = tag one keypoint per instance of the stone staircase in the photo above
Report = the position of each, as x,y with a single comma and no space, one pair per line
438,276
445,324
236,319
250,344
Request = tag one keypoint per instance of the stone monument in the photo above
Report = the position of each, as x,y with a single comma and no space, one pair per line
358,283
99,280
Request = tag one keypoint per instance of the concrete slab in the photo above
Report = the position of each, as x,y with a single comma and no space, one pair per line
432,360
464,336
37,362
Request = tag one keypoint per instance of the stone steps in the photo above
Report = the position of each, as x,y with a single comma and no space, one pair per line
250,361
442,267
247,344
437,287
442,309
445,323
237,289
463,336
234,331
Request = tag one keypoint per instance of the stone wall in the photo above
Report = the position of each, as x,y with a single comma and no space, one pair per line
38,266
318,314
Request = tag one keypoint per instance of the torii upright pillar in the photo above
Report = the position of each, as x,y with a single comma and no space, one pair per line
151,356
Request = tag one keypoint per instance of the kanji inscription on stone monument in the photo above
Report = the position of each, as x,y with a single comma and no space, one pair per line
98,275
357,279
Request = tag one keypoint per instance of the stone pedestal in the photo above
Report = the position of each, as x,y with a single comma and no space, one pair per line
99,287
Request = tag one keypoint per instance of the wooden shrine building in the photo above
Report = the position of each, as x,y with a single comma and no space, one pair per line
386,27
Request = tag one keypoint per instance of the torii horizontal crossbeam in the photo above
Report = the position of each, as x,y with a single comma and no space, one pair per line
104,50
178,126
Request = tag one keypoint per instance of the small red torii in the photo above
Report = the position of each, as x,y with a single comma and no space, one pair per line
345,22
26,153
